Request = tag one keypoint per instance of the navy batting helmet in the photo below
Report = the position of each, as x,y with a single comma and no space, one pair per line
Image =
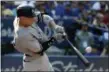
26,10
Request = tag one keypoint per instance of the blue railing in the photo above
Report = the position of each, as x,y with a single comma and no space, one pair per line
59,63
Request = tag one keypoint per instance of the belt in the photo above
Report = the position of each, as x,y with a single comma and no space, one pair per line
26,61
28,55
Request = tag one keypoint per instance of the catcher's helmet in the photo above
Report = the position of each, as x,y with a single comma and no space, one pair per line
26,10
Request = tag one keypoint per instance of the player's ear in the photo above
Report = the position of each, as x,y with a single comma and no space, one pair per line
36,19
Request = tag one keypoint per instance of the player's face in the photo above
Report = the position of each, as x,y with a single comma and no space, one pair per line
30,20
27,21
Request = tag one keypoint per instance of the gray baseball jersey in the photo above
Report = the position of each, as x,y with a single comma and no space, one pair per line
27,39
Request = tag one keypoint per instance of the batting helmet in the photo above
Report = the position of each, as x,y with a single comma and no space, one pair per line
26,10
29,10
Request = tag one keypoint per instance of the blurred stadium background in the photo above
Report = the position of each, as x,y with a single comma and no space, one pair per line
86,23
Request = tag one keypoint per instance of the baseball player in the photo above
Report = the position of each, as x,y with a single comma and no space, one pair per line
30,40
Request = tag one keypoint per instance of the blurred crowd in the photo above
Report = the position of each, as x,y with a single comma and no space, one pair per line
91,34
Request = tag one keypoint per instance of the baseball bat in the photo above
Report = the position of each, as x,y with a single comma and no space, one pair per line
80,55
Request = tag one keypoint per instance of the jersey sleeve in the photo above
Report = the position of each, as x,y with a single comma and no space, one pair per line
47,19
